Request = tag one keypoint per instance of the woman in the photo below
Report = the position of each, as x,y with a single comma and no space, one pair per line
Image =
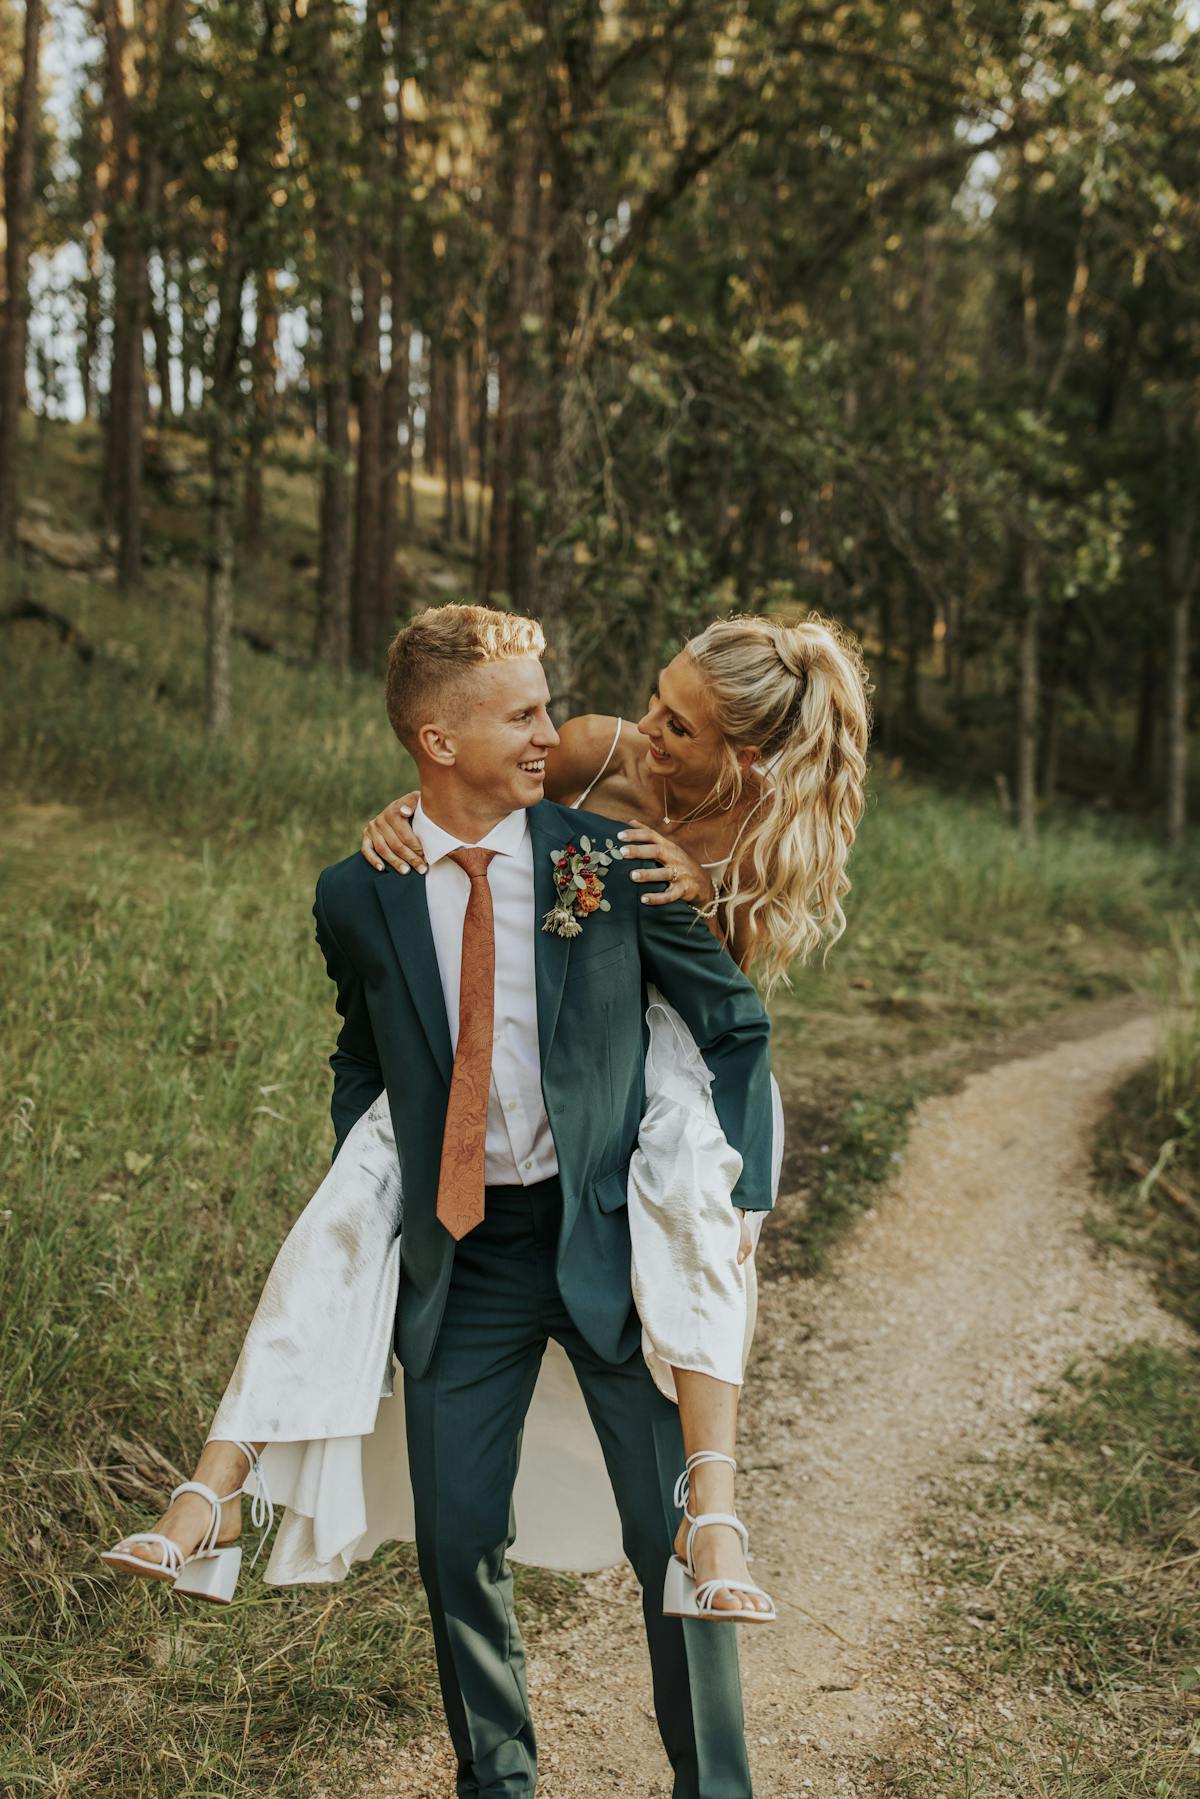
751,760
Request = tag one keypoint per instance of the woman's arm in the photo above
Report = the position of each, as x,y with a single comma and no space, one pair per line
583,743
579,755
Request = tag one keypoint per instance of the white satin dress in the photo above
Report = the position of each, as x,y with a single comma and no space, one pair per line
316,1379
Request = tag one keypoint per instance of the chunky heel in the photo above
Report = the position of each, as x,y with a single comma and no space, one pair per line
213,1576
679,1592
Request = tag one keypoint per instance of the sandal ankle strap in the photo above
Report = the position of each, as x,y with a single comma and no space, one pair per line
262,1509
209,1539
697,1459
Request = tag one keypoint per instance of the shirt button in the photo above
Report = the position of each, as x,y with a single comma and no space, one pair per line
529,1164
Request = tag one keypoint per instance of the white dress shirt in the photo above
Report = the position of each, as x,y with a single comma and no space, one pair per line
519,1148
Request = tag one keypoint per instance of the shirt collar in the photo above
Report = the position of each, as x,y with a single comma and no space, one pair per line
506,838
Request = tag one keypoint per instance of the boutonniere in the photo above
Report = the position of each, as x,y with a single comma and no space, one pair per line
578,885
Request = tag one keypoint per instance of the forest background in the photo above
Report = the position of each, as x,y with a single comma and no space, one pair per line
628,315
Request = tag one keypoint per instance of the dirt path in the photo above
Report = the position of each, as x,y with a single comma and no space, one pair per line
970,1285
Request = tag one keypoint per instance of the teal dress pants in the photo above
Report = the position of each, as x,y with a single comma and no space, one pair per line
465,1418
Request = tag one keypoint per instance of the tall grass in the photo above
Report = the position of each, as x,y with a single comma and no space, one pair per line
1148,1147
1178,1051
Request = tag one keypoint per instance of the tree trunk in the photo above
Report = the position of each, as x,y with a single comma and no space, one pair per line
1027,696
18,203
192,335
264,371
218,704
331,367
1177,719
332,643
1145,736
479,546
883,703
126,408
1182,449
510,438
366,623
460,442
1050,739
152,211
157,305
397,410
917,622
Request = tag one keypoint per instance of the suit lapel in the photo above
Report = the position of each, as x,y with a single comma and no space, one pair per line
548,831
406,910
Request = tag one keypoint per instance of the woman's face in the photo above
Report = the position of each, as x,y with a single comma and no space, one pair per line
682,742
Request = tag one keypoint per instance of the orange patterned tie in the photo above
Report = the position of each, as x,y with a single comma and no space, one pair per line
460,1185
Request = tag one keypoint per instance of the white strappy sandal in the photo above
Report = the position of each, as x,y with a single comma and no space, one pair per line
211,1572
683,1596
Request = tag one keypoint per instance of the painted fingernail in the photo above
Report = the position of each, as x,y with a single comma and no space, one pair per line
422,868
406,811
404,868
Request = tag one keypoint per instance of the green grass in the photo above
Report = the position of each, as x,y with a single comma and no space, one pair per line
1155,1117
1072,1609
164,1117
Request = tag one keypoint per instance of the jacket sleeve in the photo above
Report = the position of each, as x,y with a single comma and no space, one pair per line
732,1031
357,1074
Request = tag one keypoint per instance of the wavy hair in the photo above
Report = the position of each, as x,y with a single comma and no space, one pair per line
801,694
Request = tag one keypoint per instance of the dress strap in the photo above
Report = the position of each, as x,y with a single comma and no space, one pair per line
603,769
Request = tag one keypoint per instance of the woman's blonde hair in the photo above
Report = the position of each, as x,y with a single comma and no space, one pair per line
800,693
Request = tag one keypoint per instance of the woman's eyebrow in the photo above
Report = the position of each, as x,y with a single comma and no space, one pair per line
684,721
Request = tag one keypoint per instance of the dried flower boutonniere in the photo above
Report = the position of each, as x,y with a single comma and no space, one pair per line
578,885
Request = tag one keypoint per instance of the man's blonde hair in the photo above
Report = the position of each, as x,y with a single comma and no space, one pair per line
429,656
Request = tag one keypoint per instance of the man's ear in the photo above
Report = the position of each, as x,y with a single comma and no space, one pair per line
435,743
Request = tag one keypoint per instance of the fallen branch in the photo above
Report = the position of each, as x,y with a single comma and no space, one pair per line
70,636
264,646
1154,1177
67,632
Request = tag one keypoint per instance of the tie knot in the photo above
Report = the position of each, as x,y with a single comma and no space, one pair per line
473,862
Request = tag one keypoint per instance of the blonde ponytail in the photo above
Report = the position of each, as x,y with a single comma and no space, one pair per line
800,693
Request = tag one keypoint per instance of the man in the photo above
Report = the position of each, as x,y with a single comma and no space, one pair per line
513,1057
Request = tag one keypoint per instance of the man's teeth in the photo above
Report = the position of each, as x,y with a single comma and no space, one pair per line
534,768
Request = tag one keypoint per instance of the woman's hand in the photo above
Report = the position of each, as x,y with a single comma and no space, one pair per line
752,1223
685,879
390,836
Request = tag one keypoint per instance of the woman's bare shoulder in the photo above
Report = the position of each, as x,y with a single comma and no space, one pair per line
583,744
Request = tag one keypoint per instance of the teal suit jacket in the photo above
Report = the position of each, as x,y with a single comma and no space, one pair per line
373,929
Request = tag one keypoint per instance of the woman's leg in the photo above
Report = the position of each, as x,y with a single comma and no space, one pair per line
223,1467
708,1416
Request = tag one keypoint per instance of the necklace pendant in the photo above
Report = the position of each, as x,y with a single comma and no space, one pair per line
666,823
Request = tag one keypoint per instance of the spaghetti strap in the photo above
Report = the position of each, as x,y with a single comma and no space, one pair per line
603,769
